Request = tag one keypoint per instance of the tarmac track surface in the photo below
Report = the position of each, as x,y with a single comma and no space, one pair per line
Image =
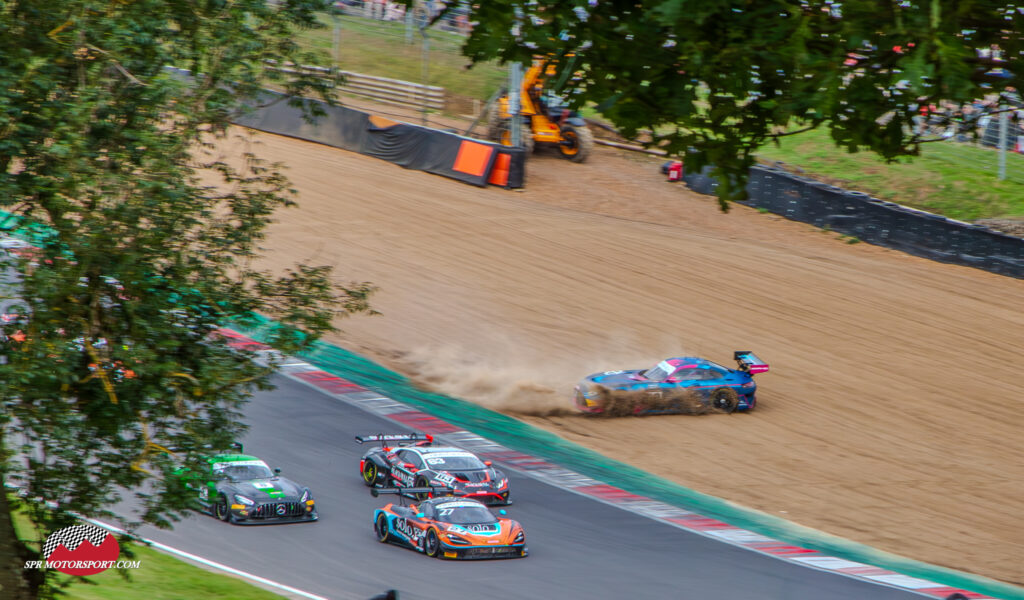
579,548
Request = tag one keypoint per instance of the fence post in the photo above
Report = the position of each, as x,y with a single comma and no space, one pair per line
1004,123
425,55
337,37
408,23
515,84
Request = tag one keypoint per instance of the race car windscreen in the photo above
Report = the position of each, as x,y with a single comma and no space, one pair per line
455,462
464,513
242,470
659,372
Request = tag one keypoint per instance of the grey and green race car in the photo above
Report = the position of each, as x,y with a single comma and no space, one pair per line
242,489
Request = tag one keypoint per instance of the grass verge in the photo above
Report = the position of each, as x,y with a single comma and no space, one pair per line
159,577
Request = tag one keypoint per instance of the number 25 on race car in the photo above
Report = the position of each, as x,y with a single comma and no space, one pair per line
448,527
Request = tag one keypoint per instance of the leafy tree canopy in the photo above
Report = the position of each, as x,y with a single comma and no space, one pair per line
148,238
724,77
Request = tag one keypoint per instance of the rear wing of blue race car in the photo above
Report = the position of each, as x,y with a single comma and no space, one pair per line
398,439
749,362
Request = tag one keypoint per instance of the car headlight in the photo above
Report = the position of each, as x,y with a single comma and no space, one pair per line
520,538
306,496
502,483
243,500
455,539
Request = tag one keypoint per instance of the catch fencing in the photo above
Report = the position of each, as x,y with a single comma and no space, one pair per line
876,221
1014,135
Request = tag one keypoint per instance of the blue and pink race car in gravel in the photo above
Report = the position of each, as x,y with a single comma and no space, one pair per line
683,385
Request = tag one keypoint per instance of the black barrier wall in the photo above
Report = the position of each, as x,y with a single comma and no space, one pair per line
876,221
411,146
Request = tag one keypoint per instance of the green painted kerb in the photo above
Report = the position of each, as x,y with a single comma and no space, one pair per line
528,439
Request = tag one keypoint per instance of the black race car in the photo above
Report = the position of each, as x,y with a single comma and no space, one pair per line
242,489
407,460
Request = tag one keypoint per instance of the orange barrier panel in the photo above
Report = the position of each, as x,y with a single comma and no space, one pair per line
473,158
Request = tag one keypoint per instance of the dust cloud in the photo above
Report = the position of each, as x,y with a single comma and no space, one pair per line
509,380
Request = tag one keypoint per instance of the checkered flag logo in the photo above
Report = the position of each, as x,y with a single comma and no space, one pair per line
72,537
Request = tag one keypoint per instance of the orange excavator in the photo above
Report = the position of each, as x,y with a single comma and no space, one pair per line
544,117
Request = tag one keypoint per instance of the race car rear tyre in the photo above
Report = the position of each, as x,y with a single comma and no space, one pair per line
380,527
220,509
420,482
724,400
369,473
432,544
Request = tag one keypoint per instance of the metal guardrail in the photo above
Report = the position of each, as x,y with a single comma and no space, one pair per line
380,89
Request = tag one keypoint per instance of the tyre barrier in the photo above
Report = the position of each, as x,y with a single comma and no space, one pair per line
875,221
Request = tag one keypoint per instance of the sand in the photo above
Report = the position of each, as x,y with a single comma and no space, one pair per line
893,412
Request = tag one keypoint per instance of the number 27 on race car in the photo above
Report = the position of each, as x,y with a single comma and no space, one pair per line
448,527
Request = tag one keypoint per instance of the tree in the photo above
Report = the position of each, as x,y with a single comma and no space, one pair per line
147,242
717,79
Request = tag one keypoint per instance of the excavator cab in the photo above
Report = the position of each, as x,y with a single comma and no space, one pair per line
544,117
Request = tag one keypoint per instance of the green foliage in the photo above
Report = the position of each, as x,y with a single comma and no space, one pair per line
148,239
719,78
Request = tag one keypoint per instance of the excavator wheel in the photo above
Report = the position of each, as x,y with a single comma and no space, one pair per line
577,142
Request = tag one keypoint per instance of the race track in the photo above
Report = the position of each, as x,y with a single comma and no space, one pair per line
580,548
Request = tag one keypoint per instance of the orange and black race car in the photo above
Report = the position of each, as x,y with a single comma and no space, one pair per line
448,527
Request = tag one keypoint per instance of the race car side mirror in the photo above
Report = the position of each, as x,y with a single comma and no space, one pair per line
487,463
502,512
419,515
277,471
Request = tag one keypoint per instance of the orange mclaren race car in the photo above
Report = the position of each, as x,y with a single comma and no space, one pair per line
448,527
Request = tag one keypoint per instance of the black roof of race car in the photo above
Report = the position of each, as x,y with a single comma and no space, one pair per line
451,450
